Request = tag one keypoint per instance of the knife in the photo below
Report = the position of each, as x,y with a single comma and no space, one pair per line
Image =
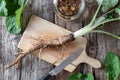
60,67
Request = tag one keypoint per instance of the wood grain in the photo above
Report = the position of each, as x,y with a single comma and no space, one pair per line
92,44
32,68
7,53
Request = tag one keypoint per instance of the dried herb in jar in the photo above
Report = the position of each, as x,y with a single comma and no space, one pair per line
68,7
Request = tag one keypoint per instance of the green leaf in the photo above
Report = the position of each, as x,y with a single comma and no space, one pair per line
107,4
12,6
12,25
117,10
75,76
87,77
9,7
109,16
112,66
21,2
13,22
3,10
19,12
79,76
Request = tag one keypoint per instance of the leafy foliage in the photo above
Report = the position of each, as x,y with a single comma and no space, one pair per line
79,76
19,12
107,4
75,76
3,10
12,6
12,25
117,10
112,66
12,9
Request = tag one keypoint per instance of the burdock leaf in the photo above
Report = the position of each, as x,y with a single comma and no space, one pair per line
13,21
3,10
12,25
112,66
79,76
117,10
107,4
75,76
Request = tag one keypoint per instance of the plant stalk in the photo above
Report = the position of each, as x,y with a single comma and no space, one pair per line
82,31
107,33
106,21
96,13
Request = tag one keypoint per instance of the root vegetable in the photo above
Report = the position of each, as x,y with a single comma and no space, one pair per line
43,43
95,22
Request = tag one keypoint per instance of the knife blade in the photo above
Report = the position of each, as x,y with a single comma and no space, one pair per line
63,64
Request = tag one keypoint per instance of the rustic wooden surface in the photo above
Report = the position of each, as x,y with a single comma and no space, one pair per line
32,68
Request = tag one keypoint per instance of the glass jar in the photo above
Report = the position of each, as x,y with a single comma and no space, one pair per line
69,9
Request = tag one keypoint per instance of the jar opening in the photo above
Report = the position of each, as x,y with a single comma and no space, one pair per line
69,9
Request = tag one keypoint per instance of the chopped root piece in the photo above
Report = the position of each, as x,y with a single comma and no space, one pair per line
43,43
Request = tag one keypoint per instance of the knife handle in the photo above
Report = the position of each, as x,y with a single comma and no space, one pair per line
46,77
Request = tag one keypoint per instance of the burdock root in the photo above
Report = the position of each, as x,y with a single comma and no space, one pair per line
43,43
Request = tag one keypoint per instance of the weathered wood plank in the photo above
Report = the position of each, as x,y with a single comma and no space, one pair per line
92,43
106,44
1,57
33,68
7,53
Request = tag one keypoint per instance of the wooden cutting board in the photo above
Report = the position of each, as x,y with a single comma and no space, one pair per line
41,29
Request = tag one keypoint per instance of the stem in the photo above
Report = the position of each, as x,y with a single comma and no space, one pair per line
94,17
106,21
26,3
89,28
107,33
108,12
99,20
82,31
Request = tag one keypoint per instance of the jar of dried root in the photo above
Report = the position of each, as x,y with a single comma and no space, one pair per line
69,9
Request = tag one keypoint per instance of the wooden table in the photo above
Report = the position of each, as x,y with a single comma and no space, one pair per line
32,68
